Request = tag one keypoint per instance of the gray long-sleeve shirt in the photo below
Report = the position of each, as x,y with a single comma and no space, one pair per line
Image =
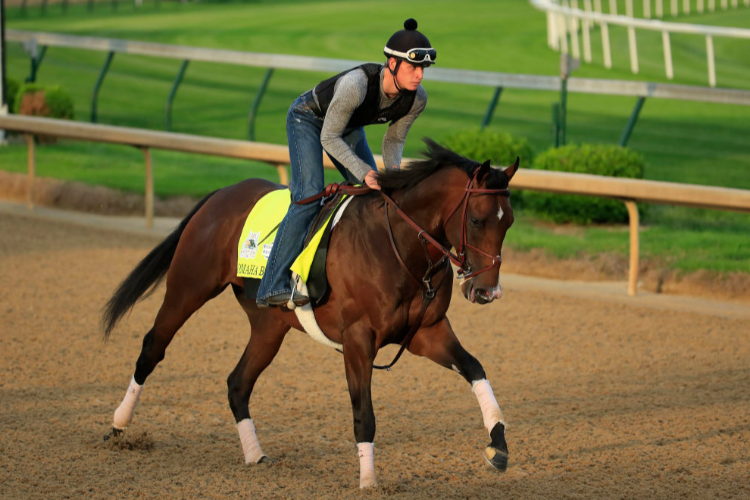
349,94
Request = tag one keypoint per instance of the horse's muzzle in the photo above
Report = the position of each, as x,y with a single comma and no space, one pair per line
481,296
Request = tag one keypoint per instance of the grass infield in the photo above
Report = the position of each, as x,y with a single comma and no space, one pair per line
681,141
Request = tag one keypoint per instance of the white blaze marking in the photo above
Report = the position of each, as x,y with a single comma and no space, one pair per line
500,213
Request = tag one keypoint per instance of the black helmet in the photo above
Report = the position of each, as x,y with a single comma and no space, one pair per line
411,46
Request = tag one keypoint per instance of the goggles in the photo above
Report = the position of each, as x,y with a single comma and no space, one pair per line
416,56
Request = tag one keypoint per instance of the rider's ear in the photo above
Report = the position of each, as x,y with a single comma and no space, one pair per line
484,169
511,171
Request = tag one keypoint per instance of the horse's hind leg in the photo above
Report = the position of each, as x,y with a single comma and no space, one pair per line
180,302
267,334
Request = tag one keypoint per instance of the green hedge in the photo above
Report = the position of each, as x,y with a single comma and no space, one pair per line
612,161
11,89
500,149
59,101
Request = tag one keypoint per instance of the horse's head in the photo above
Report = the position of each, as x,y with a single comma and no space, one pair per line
476,228
471,215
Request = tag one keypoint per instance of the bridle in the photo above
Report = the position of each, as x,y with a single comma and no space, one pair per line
459,258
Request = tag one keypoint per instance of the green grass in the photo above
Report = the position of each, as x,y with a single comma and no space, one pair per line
714,241
681,141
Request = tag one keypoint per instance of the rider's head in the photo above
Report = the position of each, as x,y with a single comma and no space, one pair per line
411,47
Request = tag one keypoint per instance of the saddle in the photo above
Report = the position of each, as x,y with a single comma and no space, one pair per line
317,282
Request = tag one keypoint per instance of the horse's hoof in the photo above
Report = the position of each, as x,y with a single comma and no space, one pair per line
496,458
266,460
496,453
114,434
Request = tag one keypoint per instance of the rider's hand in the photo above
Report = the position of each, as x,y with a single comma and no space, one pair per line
371,179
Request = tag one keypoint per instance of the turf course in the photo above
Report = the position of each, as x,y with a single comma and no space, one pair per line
681,141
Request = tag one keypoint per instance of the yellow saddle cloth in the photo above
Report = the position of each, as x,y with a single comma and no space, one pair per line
259,233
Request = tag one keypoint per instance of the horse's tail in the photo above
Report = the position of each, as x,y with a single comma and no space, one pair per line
146,276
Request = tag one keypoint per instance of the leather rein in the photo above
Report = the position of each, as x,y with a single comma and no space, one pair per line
459,258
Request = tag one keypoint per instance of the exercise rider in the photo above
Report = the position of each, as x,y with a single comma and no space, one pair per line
331,118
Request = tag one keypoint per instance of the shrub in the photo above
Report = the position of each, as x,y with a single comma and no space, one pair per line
500,149
613,161
11,89
43,100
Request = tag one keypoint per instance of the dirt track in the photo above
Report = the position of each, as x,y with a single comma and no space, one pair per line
604,400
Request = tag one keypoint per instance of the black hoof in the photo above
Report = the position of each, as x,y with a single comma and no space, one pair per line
114,434
496,453
496,458
266,460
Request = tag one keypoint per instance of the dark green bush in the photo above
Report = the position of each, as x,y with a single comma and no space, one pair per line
612,161
11,89
55,102
500,149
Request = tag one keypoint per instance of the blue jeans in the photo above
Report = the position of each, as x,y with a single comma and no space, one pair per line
303,128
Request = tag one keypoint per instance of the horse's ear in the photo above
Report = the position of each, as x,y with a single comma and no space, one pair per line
511,171
484,169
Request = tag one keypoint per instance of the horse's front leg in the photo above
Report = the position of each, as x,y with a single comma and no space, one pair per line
439,343
359,354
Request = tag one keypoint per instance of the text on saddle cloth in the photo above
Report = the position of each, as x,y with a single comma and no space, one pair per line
259,233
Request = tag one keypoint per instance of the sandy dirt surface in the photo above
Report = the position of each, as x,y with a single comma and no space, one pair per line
604,399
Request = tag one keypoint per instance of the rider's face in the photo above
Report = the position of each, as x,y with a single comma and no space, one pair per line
409,76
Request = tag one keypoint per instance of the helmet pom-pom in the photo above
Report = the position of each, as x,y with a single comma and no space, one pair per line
410,24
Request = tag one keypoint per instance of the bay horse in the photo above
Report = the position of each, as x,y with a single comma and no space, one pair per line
444,201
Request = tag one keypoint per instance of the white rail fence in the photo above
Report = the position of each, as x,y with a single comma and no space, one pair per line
566,20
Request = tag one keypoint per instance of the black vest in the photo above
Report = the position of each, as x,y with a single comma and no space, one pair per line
369,111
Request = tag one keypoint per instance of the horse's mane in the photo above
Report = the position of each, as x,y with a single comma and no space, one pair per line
436,158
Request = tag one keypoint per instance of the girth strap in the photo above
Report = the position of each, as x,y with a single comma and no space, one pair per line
426,300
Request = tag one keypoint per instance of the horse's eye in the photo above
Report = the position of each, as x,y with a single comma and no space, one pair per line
474,222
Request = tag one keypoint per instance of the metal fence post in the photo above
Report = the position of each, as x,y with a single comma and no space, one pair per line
491,108
556,124
256,105
97,86
631,122
172,94
563,109
36,61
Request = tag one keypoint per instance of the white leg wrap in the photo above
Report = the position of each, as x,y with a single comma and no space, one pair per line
250,444
366,465
491,412
124,412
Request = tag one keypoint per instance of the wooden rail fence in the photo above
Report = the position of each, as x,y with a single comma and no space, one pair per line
630,191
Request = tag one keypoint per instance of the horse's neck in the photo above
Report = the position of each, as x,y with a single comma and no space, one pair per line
429,203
